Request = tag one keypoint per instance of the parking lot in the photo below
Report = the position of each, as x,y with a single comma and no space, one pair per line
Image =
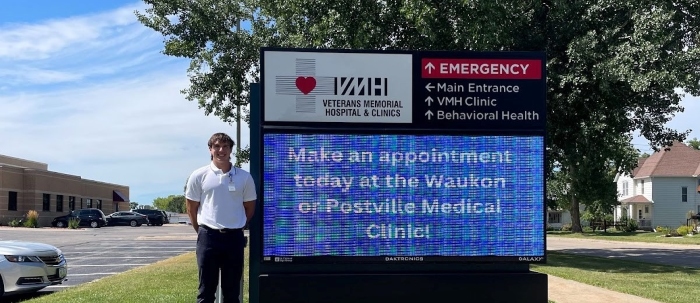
96,253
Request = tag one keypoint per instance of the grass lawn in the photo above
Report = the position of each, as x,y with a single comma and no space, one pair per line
175,280
169,281
649,237
658,282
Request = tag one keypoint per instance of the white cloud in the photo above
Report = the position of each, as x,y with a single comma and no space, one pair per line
41,41
93,96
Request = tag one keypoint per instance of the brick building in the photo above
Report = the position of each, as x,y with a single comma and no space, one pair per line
28,185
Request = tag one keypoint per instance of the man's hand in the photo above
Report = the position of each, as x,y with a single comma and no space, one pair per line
192,207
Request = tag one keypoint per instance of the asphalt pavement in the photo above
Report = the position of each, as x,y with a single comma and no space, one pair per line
93,254
658,253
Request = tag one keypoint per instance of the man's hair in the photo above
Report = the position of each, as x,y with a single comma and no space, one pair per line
222,138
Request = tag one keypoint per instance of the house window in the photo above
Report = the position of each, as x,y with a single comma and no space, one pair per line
684,194
46,203
624,188
554,218
59,203
646,209
71,203
99,204
12,201
89,203
642,189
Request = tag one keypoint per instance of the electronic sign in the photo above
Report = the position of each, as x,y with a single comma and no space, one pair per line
371,156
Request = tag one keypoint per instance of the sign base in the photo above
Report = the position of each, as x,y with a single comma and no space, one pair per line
528,287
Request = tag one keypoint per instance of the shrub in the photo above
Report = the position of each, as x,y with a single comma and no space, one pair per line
13,223
684,230
630,226
587,229
73,223
662,230
32,219
566,227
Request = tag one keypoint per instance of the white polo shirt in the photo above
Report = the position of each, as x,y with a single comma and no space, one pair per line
220,195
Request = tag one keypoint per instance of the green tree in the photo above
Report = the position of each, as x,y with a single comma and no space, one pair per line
173,203
133,205
694,143
613,66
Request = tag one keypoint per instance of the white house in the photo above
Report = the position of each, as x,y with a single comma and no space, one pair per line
662,189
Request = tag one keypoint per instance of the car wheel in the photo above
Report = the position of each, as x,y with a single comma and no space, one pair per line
133,223
94,224
60,224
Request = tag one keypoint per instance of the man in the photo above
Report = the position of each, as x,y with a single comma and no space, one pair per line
220,202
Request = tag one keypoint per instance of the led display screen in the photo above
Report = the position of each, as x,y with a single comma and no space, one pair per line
430,198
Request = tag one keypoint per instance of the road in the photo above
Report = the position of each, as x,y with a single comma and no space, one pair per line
667,254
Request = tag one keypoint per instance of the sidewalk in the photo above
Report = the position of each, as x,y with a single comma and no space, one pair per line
568,291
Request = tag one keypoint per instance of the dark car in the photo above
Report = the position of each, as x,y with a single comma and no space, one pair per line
92,217
155,217
166,218
126,218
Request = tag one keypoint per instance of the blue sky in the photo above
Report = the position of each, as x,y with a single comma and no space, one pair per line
85,88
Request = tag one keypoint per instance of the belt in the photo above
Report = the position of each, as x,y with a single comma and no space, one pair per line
221,230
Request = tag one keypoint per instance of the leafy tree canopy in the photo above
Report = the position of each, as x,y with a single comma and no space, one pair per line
173,203
613,65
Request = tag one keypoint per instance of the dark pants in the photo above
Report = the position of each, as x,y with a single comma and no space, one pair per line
219,251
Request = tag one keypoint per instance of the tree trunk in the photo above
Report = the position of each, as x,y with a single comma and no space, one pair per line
575,211
575,216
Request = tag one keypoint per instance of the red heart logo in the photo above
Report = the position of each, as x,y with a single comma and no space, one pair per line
306,84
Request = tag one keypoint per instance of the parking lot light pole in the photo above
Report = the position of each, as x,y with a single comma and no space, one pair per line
238,152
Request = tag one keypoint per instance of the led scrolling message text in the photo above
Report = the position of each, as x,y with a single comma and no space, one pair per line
402,195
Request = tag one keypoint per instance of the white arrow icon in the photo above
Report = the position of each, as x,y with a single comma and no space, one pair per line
429,87
429,114
430,67
429,100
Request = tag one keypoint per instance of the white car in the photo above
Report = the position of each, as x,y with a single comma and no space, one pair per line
29,267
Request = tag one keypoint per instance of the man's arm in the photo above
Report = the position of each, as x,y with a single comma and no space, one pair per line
249,198
249,210
193,194
192,207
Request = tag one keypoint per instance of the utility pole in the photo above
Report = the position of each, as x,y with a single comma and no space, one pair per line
238,111
238,153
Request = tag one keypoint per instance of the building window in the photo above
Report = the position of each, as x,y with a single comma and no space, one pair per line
684,194
71,203
554,218
81,203
99,204
89,203
47,202
12,201
625,188
642,189
59,203
646,209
